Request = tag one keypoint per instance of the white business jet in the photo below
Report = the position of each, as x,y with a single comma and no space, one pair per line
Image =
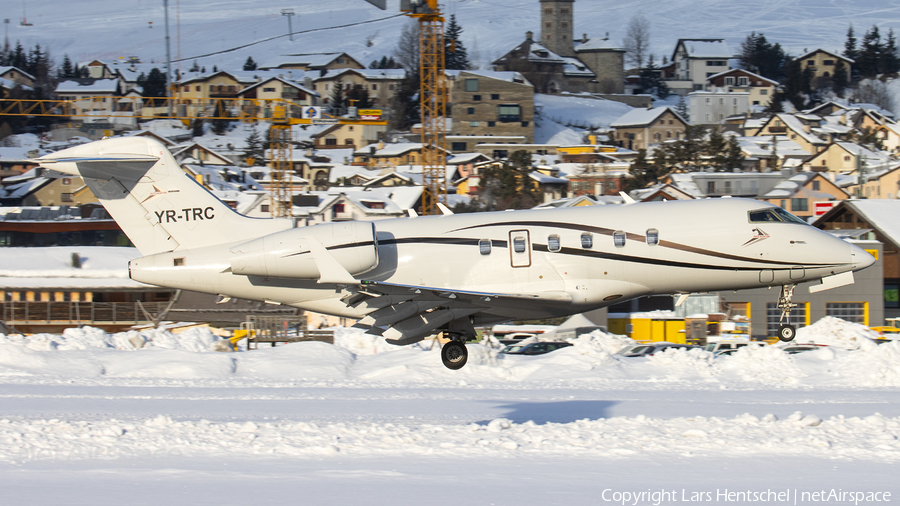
409,278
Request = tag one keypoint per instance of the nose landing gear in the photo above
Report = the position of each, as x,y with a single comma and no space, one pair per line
786,331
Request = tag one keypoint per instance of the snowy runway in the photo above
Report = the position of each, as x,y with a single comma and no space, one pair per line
85,419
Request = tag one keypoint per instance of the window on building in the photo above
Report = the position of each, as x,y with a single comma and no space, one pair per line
473,124
484,246
816,185
470,110
269,90
799,205
706,101
67,198
553,243
710,187
524,123
810,63
374,87
66,181
619,238
729,81
391,87
827,62
348,142
891,295
797,318
495,96
763,92
476,98
743,81
459,147
471,84
197,88
509,112
854,312
491,124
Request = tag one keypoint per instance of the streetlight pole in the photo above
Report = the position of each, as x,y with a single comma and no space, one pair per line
289,13
168,58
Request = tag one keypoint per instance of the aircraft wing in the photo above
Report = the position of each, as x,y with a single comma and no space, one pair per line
405,314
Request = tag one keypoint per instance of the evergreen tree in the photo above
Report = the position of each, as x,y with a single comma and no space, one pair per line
154,84
734,156
716,149
775,104
850,50
197,127
889,62
249,64
254,147
841,79
19,57
643,173
221,122
681,107
336,101
67,71
456,56
761,57
870,56
795,84
510,186
359,97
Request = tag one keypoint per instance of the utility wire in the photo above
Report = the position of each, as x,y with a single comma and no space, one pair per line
284,35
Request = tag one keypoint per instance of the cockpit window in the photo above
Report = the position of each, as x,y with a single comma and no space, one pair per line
774,215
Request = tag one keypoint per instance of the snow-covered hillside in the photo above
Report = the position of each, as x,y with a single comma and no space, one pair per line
92,29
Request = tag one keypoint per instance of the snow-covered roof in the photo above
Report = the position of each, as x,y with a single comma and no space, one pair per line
743,71
793,122
642,117
6,69
790,186
308,60
292,84
101,267
598,44
883,214
95,86
829,53
762,147
502,75
370,74
574,67
705,48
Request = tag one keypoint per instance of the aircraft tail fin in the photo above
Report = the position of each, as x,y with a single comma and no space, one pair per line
159,207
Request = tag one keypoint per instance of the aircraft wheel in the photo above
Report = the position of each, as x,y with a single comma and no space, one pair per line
454,355
786,333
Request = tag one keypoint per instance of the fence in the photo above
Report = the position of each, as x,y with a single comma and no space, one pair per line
76,313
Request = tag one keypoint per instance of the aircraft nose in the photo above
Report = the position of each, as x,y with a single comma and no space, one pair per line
860,258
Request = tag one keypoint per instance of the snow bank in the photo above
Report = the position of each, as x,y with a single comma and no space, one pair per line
872,437
195,339
833,331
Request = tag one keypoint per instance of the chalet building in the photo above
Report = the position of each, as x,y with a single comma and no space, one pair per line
17,76
277,88
799,193
848,157
639,128
695,61
760,89
822,66
796,127
313,62
491,103
348,136
381,85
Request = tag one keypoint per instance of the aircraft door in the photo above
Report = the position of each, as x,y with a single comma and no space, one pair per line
520,248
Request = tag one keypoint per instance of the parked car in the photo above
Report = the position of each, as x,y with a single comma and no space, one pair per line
535,348
717,346
645,350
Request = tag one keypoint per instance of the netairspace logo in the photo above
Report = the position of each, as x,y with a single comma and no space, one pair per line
719,496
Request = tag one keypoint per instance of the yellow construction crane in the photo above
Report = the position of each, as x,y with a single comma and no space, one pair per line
433,96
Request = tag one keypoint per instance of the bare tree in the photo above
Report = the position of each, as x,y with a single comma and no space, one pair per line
637,40
874,91
407,51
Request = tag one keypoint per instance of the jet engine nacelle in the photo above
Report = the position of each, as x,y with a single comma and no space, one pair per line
287,254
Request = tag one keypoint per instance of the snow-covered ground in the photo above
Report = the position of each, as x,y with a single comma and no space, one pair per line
152,417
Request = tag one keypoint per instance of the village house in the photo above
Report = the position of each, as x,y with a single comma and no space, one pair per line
822,66
800,192
17,76
848,157
714,107
760,89
639,128
486,103
312,62
882,184
348,136
696,60
381,85
797,127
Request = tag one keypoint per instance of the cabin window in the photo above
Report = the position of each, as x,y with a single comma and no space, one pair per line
178,262
587,241
471,84
619,238
484,246
519,244
553,243
652,237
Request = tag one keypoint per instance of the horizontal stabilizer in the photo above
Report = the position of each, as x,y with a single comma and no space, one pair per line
829,282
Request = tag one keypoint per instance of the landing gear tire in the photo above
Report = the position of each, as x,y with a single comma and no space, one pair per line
454,355
786,333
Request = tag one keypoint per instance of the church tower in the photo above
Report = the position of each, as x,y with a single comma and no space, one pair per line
557,26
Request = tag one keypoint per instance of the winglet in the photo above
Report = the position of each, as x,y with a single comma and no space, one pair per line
412,213
627,198
330,270
444,209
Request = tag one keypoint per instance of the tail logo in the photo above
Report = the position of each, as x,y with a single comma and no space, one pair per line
758,236
157,193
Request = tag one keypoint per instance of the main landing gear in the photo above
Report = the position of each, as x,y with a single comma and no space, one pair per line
786,331
454,354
